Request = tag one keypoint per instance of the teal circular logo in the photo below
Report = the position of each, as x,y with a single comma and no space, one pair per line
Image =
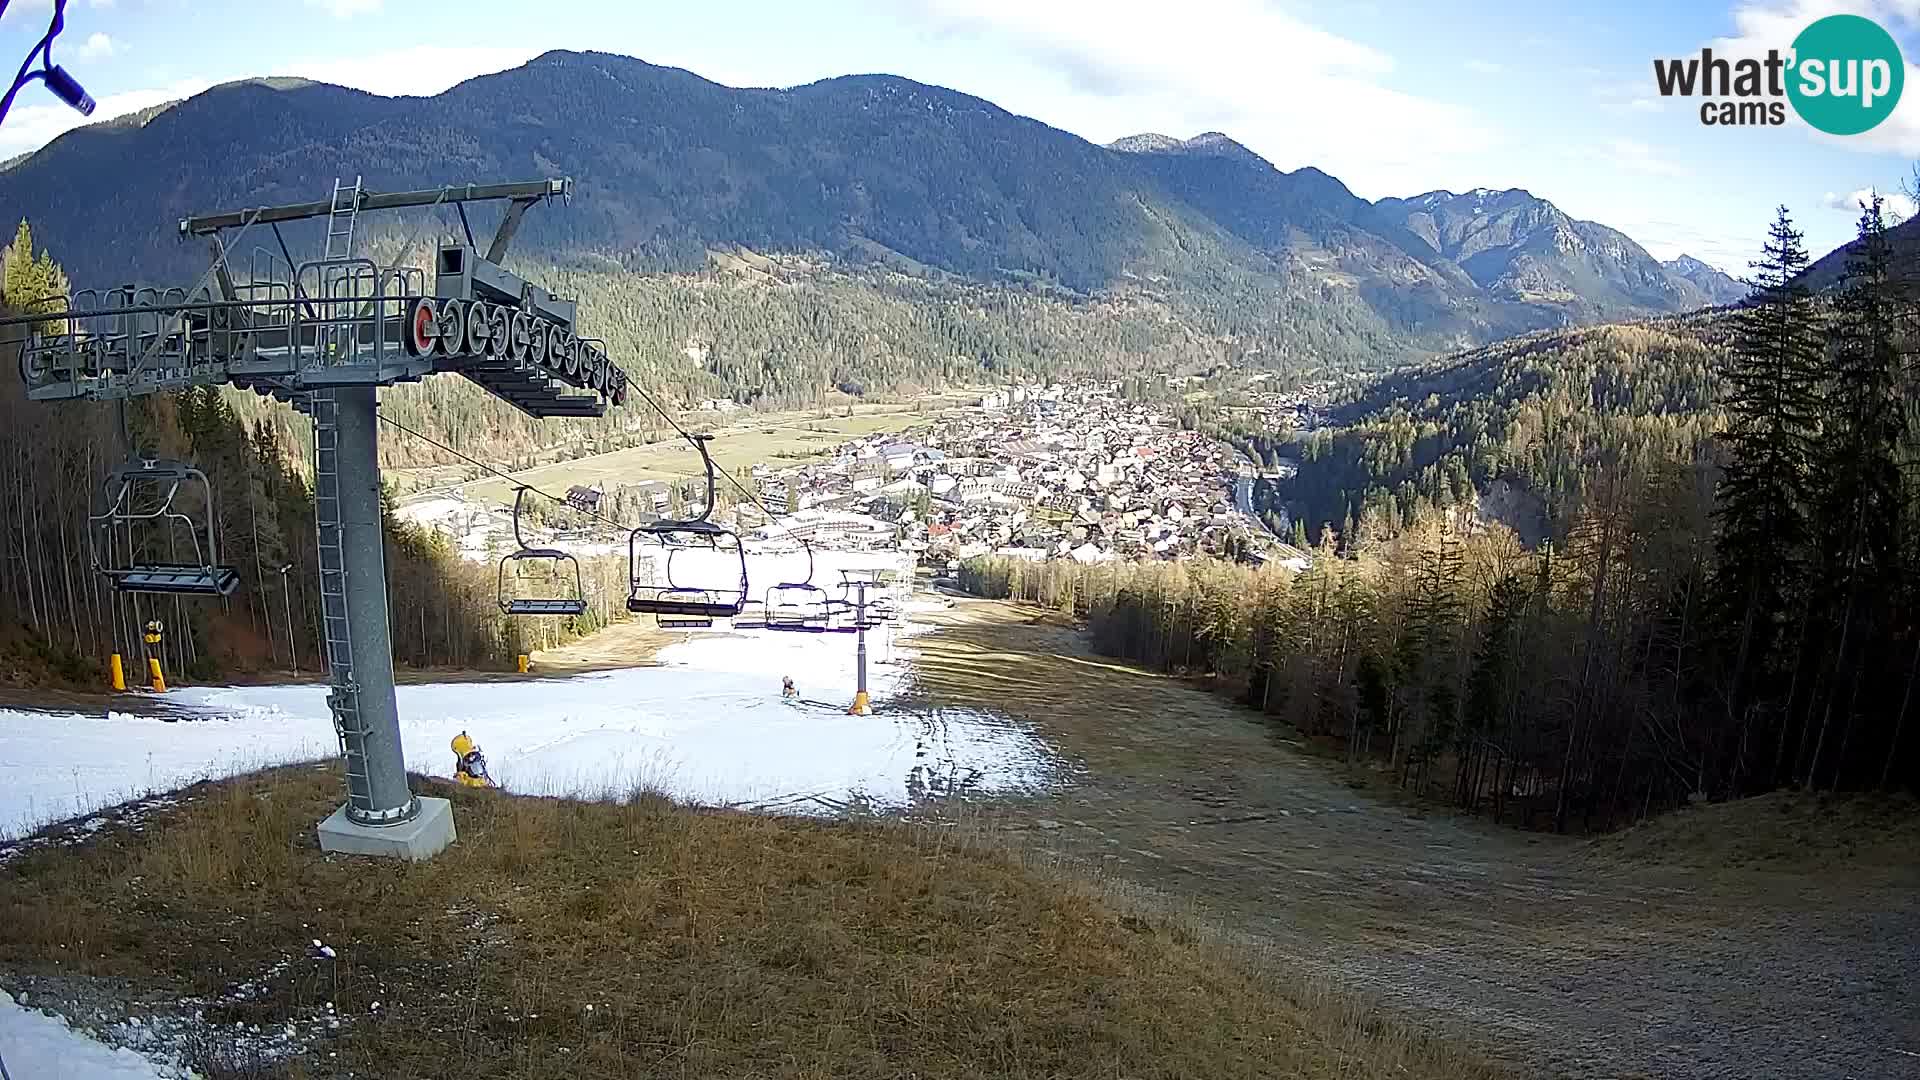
1846,75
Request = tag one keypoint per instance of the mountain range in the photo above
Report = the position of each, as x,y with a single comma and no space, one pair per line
877,174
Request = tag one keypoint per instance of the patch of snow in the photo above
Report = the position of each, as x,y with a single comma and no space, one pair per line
707,725
39,1046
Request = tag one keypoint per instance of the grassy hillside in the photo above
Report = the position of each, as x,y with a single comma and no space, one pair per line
569,939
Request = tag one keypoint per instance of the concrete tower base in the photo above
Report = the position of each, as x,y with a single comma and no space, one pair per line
423,837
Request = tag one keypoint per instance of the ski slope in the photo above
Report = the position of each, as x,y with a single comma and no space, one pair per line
708,725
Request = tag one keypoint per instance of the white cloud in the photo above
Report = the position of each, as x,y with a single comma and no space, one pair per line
1485,67
420,71
31,126
1897,206
347,9
1331,104
98,45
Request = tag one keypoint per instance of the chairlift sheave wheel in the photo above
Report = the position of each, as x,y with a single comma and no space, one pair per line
522,335
478,328
453,327
537,344
35,370
423,327
499,329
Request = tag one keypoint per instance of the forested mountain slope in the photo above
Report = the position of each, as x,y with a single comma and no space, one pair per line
871,171
1534,413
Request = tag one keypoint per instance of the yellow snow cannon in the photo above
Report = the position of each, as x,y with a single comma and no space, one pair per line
469,765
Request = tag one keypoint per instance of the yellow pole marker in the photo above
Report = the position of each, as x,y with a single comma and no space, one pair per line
153,672
119,673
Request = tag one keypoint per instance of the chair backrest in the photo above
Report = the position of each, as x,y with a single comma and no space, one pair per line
122,509
540,605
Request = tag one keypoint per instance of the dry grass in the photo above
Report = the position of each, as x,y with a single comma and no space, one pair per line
569,939
1786,830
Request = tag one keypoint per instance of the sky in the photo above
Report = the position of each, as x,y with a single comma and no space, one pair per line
1393,98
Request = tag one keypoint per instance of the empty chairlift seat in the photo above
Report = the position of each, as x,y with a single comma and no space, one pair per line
691,603
141,530
799,606
674,603
514,604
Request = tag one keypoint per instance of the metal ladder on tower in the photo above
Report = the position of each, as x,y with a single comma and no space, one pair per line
337,639
340,218
337,337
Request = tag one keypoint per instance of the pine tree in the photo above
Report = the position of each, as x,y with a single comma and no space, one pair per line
1858,523
27,283
1772,403
1489,681
1426,654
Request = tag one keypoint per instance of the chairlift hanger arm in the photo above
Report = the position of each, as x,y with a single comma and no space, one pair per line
700,442
523,195
519,496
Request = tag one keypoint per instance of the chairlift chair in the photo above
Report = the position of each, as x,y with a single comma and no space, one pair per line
142,493
686,607
675,605
798,606
535,605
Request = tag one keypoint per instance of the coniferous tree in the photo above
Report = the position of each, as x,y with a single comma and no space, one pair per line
1490,682
1858,517
1772,389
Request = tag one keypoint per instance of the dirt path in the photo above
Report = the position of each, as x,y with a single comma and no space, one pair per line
1556,959
632,643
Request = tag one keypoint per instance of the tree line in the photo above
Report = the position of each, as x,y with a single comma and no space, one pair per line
1726,604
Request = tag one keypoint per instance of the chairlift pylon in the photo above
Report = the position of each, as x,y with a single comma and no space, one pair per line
867,618
523,605
675,605
124,508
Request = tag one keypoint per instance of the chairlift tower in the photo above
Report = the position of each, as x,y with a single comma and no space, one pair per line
325,335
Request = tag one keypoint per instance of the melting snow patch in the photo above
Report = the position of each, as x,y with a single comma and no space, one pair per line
708,725
41,1046
132,816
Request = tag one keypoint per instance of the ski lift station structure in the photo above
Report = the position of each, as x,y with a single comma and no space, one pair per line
325,335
